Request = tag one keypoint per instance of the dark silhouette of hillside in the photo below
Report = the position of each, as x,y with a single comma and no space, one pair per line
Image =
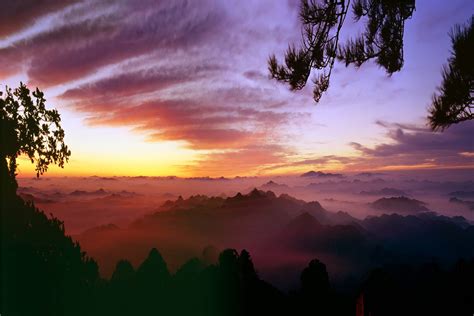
400,204
43,271
468,204
462,194
427,289
307,234
416,239
232,286
257,213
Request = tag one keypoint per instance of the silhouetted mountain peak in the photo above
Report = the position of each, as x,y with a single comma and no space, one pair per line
468,204
315,205
255,193
400,204
154,263
288,197
155,255
305,220
272,185
321,174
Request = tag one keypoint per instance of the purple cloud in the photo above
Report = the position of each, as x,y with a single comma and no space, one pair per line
17,15
412,145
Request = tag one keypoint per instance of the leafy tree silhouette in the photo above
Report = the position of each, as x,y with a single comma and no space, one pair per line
380,294
418,290
315,279
455,101
123,273
188,286
315,289
28,128
382,40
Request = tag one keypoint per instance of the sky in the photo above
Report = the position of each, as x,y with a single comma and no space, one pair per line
182,88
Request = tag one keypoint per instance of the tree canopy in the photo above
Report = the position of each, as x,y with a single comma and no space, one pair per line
28,128
454,101
382,40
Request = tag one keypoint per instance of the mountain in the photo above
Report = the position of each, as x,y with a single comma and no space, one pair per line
284,233
369,174
255,202
239,221
385,192
399,204
271,185
421,237
80,193
462,194
306,233
468,204
321,174
35,199
254,212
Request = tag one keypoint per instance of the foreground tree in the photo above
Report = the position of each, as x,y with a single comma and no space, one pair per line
28,128
455,101
43,271
382,40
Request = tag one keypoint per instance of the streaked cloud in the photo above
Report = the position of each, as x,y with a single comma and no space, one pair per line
195,73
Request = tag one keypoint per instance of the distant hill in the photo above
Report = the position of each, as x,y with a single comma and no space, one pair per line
468,204
321,174
399,204
35,199
462,194
421,237
385,192
284,233
99,192
272,185
369,174
306,233
250,209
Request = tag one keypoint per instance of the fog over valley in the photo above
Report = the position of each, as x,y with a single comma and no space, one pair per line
283,220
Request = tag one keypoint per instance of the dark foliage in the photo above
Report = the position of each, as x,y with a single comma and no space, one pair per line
418,290
43,271
382,40
28,128
455,101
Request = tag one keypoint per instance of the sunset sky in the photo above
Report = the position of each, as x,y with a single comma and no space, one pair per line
182,88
